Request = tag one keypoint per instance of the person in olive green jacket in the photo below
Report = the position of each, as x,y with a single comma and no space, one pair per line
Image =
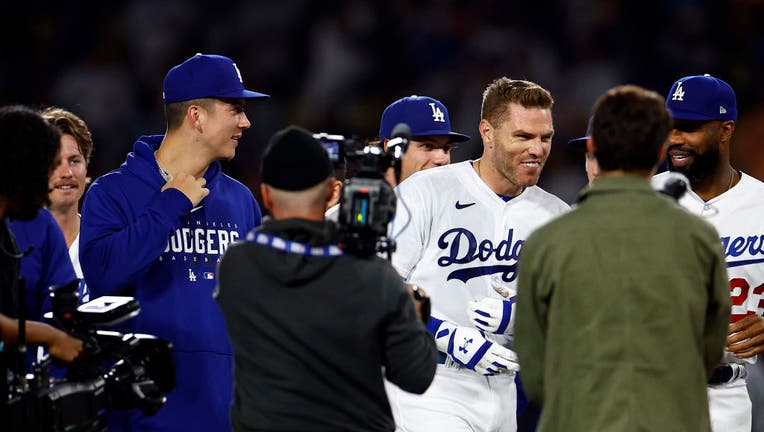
623,302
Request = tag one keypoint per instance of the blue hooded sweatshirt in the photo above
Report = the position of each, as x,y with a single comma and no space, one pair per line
138,241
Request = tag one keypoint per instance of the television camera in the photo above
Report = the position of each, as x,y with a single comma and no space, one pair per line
368,201
115,371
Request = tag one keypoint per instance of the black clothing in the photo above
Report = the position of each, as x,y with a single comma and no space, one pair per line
10,263
312,335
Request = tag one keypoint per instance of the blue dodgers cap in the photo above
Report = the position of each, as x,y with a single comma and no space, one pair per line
424,115
580,143
702,97
206,76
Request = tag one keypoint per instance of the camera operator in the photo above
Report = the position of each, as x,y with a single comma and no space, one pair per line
30,151
313,328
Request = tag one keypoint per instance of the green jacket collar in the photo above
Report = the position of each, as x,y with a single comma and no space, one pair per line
611,184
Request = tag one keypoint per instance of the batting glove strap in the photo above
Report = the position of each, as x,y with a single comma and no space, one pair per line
493,315
467,347
442,330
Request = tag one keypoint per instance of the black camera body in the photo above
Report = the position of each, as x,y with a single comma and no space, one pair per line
368,201
366,208
115,371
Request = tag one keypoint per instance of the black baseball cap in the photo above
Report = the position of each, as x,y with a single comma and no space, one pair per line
294,160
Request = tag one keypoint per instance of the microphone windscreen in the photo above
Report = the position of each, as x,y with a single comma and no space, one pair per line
401,130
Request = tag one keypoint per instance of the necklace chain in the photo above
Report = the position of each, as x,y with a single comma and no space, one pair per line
732,178
162,171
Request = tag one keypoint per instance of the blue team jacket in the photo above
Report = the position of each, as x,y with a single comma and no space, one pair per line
46,264
136,240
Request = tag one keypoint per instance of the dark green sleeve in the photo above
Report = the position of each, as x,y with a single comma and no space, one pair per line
718,311
530,327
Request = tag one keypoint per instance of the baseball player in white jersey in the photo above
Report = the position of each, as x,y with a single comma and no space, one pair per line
459,231
704,111
430,143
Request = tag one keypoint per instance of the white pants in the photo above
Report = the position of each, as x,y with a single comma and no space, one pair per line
755,383
458,400
730,407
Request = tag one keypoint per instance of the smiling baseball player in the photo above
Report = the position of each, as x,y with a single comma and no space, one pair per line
705,112
459,231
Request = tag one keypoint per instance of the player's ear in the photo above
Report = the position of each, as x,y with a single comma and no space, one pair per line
486,131
384,144
193,115
590,147
334,189
265,192
727,129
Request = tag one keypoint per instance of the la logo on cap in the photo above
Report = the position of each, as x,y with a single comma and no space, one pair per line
678,93
238,73
437,114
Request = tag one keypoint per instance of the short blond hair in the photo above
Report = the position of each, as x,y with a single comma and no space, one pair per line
503,91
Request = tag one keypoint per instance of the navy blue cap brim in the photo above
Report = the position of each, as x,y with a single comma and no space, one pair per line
455,136
680,115
578,143
248,94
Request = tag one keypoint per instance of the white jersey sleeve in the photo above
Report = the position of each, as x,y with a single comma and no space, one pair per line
409,227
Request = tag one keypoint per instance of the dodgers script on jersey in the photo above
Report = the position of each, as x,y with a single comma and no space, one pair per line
454,233
737,216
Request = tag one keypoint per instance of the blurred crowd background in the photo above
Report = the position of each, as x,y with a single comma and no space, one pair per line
334,66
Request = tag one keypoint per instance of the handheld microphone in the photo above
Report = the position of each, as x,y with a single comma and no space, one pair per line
397,146
675,186
399,142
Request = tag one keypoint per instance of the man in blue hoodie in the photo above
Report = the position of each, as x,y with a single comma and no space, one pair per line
156,227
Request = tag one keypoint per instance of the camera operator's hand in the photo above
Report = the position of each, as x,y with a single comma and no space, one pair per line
421,302
190,186
63,346
60,345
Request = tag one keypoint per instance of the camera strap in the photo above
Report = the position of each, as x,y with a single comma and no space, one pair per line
293,246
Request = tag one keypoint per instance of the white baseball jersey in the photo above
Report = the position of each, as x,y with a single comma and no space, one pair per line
332,213
738,216
74,257
454,234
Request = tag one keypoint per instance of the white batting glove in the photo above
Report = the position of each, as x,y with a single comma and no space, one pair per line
493,315
469,348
